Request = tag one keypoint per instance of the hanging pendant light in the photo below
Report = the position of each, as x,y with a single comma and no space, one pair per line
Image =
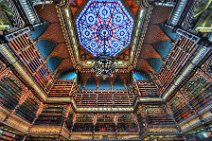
104,64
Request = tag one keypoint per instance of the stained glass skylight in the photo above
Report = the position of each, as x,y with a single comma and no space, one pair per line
104,20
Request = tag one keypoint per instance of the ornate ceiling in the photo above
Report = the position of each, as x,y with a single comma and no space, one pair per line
53,33
126,49
141,51
104,26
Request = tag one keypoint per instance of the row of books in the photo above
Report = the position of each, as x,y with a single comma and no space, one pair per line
126,119
158,115
28,109
45,138
104,98
148,89
104,118
62,88
29,56
84,118
130,127
105,127
51,115
83,127
180,107
180,54
9,135
10,92
198,91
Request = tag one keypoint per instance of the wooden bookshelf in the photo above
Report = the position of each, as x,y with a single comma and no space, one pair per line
103,98
83,123
27,53
51,115
45,138
126,124
62,88
83,127
158,115
198,91
7,134
180,107
10,92
105,124
105,127
148,89
28,109
181,53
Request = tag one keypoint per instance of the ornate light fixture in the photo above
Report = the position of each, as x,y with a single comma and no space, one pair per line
104,64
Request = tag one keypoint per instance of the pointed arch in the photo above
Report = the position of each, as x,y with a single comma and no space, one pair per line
155,63
118,83
39,30
53,63
163,48
45,47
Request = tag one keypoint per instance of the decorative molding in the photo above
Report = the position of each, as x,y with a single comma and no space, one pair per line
67,24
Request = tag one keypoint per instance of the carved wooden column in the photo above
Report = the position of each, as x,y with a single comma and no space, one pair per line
168,109
143,123
115,120
65,119
39,111
74,121
135,118
94,121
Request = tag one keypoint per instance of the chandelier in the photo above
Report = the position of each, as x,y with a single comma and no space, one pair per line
104,64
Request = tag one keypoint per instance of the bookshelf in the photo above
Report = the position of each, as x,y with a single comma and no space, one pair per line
45,138
207,66
158,115
194,96
105,127
126,124
28,109
181,53
105,124
198,91
27,53
148,89
104,98
180,107
83,127
82,118
9,135
10,92
62,88
51,115
83,123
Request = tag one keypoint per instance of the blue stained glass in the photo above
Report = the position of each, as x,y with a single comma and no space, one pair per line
104,20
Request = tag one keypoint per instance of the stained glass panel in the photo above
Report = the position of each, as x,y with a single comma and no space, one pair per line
107,21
